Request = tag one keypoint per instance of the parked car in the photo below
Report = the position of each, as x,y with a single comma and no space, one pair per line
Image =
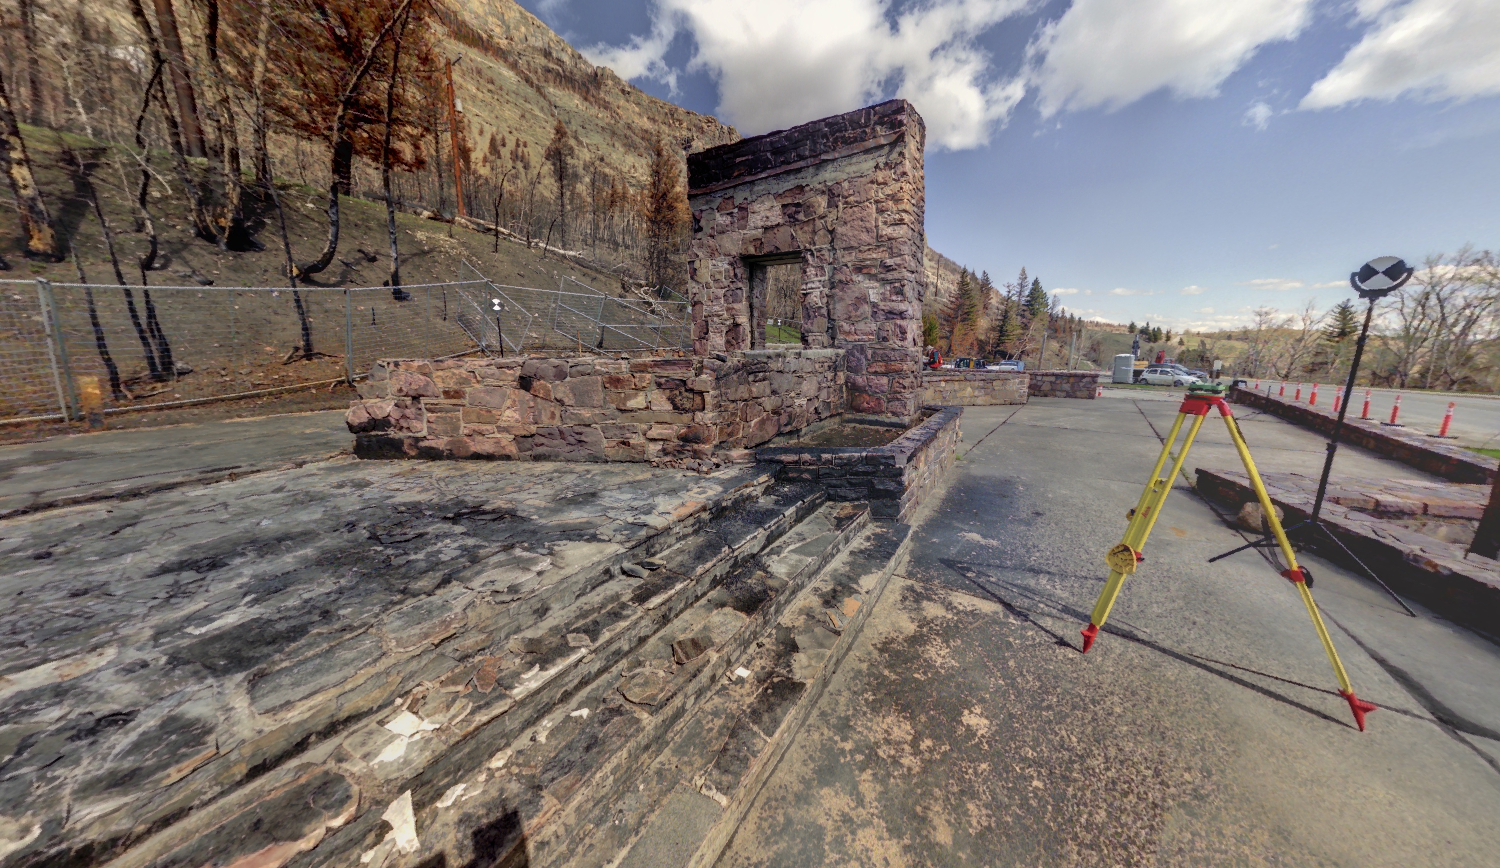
1008,365
1161,375
968,363
1201,375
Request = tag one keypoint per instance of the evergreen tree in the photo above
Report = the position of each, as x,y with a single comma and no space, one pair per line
931,330
1131,329
1343,323
1036,300
963,315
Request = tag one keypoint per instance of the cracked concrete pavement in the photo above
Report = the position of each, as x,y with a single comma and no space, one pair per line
965,728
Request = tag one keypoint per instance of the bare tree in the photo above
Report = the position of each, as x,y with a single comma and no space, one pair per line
1298,341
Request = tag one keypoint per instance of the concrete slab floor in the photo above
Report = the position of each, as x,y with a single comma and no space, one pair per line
965,728
158,651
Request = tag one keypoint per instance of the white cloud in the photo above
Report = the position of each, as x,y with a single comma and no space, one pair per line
783,62
643,57
1120,290
1113,52
1279,284
1258,116
1191,290
1436,49
1205,310
1065,291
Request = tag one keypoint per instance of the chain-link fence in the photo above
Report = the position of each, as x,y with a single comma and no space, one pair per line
575,316
159,346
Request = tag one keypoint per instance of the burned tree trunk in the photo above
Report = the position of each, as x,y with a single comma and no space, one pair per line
202,225
182,85
385,164
343,145
100,344
41,238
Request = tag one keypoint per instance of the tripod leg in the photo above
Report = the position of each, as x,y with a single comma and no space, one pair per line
1122,559
1295,573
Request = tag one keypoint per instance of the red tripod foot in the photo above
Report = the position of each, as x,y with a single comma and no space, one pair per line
1356,705
1090,633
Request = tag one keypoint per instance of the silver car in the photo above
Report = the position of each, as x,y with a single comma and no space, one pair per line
1161,375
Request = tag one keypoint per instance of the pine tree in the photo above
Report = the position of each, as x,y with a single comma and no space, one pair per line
1131,329
664,213
1036,300
1343,323
963,315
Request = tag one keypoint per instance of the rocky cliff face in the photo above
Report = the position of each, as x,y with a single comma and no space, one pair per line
518,78
942,281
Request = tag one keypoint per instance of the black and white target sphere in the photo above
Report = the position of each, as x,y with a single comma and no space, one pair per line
1385,272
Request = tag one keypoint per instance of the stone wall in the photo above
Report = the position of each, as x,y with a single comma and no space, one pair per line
844,197
592,408
1065,384
973,388
1409,447
1402,528
893,478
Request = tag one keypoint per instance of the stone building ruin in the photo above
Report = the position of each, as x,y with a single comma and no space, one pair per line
842,199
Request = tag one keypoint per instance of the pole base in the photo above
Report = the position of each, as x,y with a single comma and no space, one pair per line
1359,707
1090,633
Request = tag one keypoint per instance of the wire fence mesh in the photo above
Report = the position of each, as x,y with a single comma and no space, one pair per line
159,346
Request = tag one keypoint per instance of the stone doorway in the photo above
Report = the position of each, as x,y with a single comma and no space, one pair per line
776,300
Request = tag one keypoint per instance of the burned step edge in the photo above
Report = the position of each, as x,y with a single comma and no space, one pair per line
889,542
326,730
692,568
615,818
601,767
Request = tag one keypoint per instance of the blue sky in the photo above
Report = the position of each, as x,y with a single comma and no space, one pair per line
1178,161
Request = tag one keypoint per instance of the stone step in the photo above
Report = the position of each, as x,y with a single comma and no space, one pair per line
534,801
558,627
688,802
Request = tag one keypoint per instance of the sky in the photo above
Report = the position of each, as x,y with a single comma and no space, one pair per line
1177,161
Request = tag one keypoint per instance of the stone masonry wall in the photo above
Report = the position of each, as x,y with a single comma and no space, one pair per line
973,388
893,478
1065,384
845,197
592,409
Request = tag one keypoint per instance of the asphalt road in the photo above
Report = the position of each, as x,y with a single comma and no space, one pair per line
1202,729
1476,418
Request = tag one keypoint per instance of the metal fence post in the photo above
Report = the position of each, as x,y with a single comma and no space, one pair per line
349,337
57,351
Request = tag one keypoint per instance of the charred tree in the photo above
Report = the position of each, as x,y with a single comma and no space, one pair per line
41,237
182,84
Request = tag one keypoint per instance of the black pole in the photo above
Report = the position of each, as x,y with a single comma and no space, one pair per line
1338,428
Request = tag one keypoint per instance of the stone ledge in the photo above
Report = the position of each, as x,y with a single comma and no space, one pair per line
1065,384
1409,447
1417,565
892,478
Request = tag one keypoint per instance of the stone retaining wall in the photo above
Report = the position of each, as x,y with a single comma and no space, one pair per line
1380,522
973,388
592,408
1065,384
1409,447
893,478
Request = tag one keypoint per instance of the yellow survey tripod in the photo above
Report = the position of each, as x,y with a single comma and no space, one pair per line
1124,558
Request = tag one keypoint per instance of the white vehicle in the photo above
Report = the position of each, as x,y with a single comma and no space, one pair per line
1161,375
